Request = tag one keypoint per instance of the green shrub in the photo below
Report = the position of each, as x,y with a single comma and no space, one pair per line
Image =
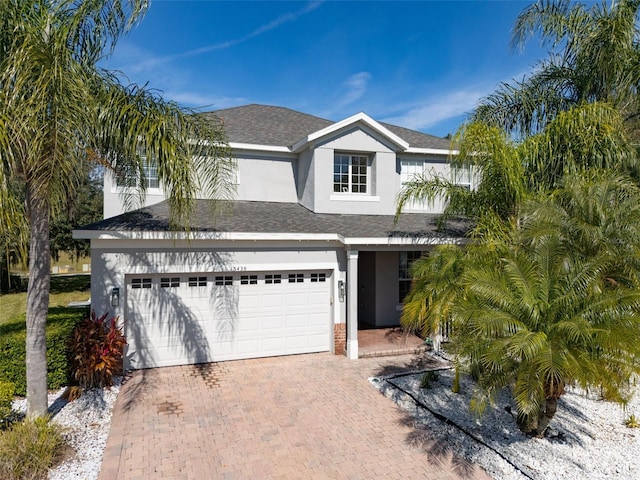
96,346
632,422
29,448
60,324
7,391
427,378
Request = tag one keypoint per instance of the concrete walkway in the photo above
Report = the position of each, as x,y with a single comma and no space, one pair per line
296,417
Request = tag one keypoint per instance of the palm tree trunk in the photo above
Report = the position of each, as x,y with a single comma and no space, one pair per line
536,425
37,303
551,406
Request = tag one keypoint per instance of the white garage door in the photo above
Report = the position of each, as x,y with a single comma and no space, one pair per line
179,319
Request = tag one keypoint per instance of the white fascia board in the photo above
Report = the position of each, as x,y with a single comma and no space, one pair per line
259,148
350,242
237,236
358,117
403,241
431,151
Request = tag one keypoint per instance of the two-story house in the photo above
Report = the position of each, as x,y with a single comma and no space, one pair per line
308,254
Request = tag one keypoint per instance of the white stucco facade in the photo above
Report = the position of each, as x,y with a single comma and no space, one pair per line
292,291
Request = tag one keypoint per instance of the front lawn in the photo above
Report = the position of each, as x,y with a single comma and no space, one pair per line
64,289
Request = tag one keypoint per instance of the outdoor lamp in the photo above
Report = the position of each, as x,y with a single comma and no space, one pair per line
341,290
115,296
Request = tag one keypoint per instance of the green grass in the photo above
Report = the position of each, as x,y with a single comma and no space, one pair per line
64,289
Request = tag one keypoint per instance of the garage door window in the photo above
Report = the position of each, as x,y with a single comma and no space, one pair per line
273,278
141,283
197,281
224,280
248,279
172,282
318,277
296,277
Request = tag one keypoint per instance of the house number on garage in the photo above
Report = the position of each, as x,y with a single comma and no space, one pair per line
234,269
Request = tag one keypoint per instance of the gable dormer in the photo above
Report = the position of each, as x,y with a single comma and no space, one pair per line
353,166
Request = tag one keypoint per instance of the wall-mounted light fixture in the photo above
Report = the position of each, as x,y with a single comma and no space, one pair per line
341,290
115,296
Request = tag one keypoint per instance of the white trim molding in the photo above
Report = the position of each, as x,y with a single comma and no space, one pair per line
358,117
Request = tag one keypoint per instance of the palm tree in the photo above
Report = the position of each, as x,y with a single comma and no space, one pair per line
506,172
595,57
547,294
556,304
434,289
58,108
498,174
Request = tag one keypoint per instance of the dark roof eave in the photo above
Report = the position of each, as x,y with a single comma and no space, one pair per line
271,218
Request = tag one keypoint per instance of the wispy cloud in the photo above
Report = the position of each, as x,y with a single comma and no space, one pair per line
432,111
356,86
281,20
203,101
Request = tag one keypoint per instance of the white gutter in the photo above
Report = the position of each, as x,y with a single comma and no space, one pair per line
351,242
431,151
403,241
233,236
260,148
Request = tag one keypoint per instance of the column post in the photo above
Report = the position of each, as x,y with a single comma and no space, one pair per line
352,304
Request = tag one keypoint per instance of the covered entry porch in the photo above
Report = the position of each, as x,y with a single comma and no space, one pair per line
377,282
383,342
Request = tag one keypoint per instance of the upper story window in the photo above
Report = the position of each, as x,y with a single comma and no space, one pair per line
409,169
462,176
151,173
149,166
350,173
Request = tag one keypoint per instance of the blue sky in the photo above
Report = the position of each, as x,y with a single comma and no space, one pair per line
419,64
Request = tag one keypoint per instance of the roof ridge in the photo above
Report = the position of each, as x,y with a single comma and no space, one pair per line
262,124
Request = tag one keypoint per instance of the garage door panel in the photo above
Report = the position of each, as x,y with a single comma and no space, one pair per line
272,299
296,342
316,342
210,317
317,320
296,299
250,346
273,322
296,321
250,324
317,298
273,344
249,301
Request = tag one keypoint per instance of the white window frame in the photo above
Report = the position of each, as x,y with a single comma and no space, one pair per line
150,169
409,168
405,261
462,176
347,160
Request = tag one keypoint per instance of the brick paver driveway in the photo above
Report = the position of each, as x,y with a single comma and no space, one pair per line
297,417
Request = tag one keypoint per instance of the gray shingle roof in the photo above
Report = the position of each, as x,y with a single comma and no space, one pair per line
268,125
270,217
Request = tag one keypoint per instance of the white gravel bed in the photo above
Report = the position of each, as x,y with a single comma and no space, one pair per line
587,438
86,422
